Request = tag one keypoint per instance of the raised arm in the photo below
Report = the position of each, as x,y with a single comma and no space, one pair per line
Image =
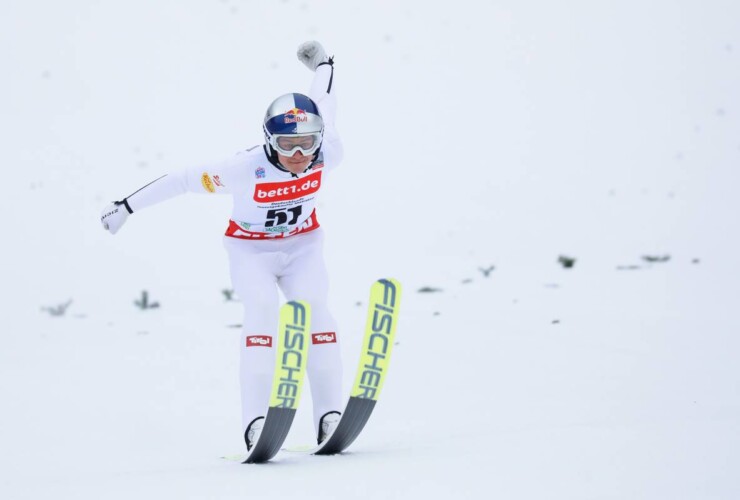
323,93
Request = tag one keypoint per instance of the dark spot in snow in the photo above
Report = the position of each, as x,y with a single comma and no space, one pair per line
486,271
628,268
566,262
656,258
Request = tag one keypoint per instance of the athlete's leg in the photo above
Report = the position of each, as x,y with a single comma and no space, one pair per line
253,278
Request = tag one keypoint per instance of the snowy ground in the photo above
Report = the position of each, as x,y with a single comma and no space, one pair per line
478,134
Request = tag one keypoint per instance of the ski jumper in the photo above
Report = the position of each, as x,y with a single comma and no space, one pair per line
273,239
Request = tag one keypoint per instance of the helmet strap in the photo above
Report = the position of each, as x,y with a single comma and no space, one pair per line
272,157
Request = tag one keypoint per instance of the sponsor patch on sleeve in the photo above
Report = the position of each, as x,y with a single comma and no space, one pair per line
205,179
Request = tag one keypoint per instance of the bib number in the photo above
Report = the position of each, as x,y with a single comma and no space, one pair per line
280,216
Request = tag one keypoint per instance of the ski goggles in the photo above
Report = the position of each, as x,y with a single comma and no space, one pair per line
287,145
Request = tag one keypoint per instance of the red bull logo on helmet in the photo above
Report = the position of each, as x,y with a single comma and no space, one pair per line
295,115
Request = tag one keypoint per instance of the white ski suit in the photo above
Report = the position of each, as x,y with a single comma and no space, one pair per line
273,240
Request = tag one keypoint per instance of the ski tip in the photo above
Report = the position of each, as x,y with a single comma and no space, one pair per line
389,284
389,280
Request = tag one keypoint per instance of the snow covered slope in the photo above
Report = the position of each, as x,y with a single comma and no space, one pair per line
477,134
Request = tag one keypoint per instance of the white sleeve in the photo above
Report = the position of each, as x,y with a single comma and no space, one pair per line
218,178
166,187
323,93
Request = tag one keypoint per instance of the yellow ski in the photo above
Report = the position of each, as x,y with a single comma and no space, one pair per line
293,337
377,345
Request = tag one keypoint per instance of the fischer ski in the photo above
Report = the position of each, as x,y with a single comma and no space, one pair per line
292,356
380,333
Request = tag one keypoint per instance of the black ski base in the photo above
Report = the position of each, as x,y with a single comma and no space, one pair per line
275,430
353,420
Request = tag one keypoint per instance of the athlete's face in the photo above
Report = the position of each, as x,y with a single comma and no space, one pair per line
295,164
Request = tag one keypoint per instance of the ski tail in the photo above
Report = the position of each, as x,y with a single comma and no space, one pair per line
380,334
294,332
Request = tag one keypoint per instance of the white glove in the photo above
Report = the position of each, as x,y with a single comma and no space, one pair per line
113,216
312,54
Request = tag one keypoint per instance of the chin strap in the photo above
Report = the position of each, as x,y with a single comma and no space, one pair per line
273,159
